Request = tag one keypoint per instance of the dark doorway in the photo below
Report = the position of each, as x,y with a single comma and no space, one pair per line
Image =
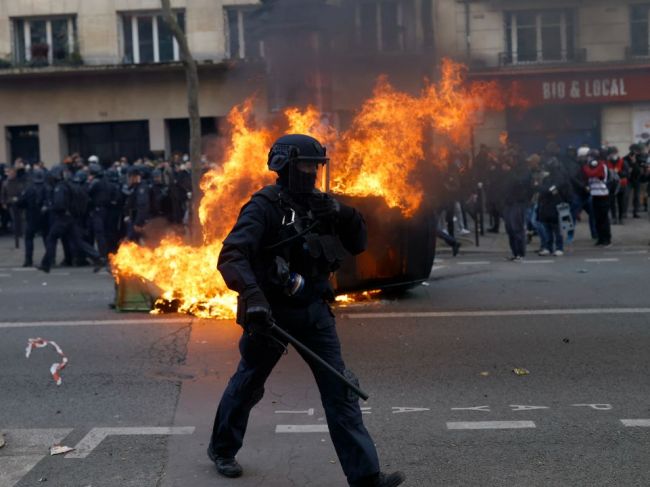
24,143
109,141
572,125
179,132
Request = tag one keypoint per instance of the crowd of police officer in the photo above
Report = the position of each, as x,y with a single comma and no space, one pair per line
90,207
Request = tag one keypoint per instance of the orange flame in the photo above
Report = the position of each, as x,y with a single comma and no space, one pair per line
378,155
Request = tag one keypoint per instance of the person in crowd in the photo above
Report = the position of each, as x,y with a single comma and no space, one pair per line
554,189
494,193
99,193
618,194
517,192
67,208
138,204
10,192
595,178
636,165
33,200
537,175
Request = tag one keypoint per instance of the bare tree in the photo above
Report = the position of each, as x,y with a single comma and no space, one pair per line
192,80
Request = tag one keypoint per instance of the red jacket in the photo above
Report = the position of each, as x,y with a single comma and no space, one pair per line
620,168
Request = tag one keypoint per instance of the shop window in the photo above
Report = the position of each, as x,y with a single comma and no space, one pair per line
24,143
243,33
44,41
539,36
380,25
640,34
147,38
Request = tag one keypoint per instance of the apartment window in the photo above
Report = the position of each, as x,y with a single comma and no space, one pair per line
44,41
539,36
243,33
148,39
380,25
640,34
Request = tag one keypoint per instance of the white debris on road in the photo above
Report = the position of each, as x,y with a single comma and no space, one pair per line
56,368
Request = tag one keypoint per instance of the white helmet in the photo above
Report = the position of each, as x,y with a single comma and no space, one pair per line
93,160
583,152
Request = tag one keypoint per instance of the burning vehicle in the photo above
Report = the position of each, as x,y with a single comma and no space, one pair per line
380,164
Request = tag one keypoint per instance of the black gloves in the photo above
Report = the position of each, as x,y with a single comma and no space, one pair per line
324,207
256,311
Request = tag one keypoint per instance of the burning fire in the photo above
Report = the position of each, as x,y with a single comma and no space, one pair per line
378,155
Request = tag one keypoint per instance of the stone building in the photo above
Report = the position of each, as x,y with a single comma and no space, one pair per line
103,76
583,65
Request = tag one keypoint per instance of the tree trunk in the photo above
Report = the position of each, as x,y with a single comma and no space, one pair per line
192,80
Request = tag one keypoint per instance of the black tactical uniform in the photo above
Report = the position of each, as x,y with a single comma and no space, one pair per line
287,240
99,192
138,204
65,211
33,200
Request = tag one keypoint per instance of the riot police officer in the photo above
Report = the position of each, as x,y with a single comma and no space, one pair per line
34,201
99,192
279,255
138,205
66,208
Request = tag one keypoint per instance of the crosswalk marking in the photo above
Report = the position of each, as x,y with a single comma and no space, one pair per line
96,435
642,423
489,425
24,449
603,259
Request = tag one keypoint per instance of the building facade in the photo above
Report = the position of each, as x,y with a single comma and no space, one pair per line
104,77
582,65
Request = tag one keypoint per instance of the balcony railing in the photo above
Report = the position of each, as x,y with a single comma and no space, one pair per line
637,53
512,59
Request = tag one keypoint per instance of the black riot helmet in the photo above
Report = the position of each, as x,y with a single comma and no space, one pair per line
38,176
286,156
57,173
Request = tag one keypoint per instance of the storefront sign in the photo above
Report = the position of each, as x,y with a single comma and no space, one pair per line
538,87
591,88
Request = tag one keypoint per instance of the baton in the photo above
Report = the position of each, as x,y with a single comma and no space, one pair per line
300,346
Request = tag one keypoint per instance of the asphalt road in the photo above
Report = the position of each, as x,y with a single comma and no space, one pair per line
138,396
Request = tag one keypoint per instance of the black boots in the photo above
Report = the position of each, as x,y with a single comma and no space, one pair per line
228,467
382,480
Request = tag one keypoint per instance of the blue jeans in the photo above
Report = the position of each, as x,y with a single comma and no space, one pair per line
553,233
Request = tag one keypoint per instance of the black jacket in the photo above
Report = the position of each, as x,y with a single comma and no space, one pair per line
245,261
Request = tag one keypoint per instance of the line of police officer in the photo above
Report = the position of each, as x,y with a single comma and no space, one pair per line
90,210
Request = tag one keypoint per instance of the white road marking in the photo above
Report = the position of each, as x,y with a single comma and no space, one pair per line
60,273
24,449
398,410
366,410
141,321
474,262
308,412
438,267
603,259
538,261
634,252
485,409
5,275
642,423
498,313
489,425
597,407
301,428
96,435
523,407
23,269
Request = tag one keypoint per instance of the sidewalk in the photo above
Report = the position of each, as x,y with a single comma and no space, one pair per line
634,234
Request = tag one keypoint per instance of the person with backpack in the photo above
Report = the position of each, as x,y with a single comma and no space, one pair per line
618,183
66,207
595,177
